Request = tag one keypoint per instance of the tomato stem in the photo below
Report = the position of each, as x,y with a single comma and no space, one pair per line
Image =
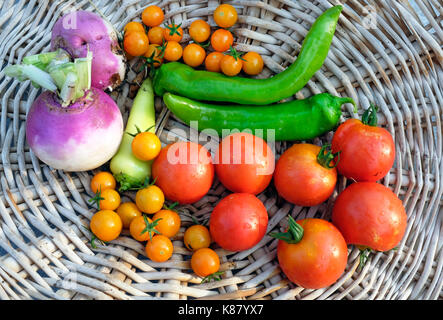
173,29
237,55
150,226
97,198
370,116
325,159
171,207
216,276
364,255
293,235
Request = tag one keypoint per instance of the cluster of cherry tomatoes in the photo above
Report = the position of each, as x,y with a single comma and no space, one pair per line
114,216
157,231
163,43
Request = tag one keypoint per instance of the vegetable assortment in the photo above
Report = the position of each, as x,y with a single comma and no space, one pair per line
214,85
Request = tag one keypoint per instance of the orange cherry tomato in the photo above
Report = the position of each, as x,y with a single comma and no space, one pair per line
197,237
142,228
199,30
106,225
102,181
146,146
150,199
127,212
252,63
222,40
169,223
155,35
225,15
194,55
133,26
205,262
173,32
173,51
212,61
153,16
110,201
159,249
231,66
136,43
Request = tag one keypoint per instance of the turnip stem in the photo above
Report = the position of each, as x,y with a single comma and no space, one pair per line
31,72
54,70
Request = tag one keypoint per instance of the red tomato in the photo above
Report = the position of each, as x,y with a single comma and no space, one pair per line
301,179
318,259
367,152
184,171
238,222
244,163
369,214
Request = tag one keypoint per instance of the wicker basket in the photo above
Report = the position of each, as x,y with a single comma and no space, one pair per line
384,51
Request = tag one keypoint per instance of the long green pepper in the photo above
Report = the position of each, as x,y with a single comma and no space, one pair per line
185,81
293,120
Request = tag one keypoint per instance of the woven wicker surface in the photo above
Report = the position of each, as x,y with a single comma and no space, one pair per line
386,52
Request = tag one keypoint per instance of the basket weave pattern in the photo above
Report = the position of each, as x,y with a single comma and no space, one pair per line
383,52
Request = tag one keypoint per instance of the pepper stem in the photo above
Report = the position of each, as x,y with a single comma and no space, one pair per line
293,235
343,100
370,116
325,159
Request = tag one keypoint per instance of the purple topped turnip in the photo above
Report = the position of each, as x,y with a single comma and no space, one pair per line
79,137
80,31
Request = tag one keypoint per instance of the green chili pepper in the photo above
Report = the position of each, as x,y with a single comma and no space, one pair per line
293,120
178,78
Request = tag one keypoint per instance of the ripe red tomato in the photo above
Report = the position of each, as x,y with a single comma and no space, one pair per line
184,171
302,179
244,163
369,214
318,259
367,152
238,222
